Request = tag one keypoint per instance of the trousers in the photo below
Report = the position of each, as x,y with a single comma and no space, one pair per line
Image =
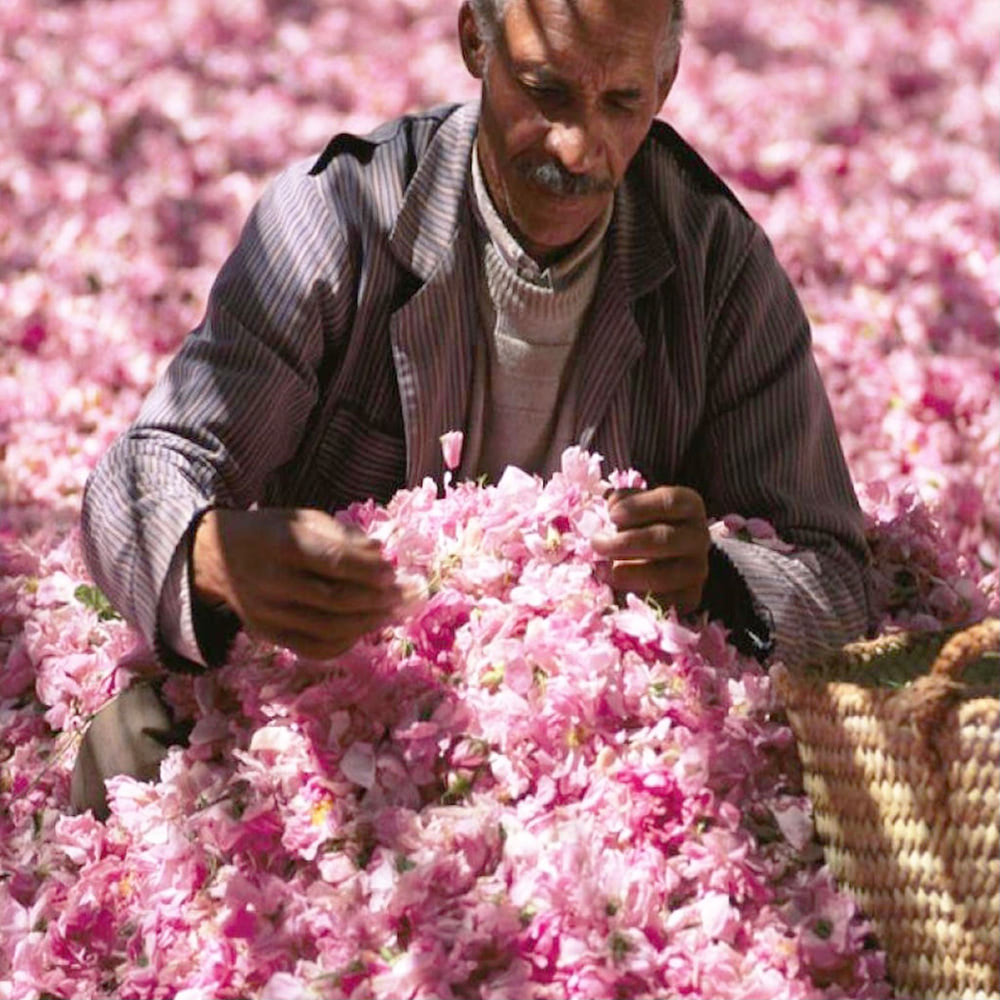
130,735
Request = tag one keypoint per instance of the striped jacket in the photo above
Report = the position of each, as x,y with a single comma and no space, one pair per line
337,346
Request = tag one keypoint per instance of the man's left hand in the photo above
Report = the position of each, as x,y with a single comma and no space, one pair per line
661,546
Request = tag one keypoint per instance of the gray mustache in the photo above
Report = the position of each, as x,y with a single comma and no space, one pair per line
554,177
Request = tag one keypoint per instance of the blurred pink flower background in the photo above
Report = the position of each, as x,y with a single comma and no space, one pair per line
522,790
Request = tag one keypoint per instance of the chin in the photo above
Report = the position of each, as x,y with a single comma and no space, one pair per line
553,246
561,224
551,240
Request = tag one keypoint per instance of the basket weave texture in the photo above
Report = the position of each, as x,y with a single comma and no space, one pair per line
900,745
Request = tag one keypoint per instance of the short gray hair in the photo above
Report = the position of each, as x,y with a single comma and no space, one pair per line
489,14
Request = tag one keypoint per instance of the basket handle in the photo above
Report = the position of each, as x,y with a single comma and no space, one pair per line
966,647
925,702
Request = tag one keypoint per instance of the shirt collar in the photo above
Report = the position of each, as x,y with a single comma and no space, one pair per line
555,275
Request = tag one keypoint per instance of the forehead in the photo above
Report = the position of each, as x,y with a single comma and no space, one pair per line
617,36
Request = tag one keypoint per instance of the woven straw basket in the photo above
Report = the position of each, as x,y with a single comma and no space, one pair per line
900,744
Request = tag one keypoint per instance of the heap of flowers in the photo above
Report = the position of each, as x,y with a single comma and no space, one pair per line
523,788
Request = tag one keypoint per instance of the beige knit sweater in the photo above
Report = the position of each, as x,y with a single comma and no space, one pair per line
522,394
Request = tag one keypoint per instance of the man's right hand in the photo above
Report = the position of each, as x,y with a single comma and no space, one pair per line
297,577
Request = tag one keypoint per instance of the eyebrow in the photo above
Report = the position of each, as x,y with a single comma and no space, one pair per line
539,72
544,76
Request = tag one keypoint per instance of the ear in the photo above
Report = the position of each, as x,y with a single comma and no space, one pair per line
471,41
666,81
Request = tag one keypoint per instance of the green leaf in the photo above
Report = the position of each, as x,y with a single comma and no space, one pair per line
93,598
458,788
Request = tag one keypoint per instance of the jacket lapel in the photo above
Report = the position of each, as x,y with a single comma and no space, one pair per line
637,259
433,333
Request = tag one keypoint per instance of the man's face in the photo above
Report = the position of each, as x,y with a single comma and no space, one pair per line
569,91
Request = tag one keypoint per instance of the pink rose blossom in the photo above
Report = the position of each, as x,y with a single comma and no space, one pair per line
451,448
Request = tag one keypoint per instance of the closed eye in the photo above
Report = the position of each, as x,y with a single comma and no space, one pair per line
545,91
624,100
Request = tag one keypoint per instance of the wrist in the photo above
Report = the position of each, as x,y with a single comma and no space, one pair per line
208,577
727,597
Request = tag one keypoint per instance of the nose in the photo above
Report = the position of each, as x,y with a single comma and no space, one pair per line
576,145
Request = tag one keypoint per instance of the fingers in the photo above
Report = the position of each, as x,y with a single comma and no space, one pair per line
320,637
672,583
666,504
655,541
322,546
344,596
668,522
660,547
311,648
662,576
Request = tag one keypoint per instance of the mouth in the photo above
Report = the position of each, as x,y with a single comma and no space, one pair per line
555,181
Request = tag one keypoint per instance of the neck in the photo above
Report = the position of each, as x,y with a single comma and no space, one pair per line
491,199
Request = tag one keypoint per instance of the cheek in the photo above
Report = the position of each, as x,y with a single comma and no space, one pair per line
626,144
513,121
527,136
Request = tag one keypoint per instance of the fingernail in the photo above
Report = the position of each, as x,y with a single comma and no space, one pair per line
617,513
616,496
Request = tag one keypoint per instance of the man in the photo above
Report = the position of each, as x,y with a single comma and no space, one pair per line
549,266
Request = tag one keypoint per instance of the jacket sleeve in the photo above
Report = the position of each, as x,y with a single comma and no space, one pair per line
229,410
768,448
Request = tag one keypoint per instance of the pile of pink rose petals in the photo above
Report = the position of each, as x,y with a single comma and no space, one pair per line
523,789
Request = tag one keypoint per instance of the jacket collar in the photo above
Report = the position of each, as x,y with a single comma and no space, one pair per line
436,197
639,242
